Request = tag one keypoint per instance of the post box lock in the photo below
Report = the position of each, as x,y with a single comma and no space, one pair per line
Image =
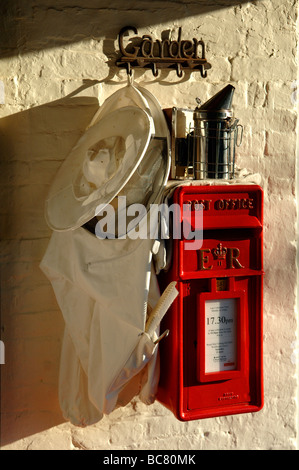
211,361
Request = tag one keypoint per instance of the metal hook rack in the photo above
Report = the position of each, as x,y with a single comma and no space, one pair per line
155,54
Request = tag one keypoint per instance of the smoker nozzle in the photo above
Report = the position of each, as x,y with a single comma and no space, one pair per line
221,101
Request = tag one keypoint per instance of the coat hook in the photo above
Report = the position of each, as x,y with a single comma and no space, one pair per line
179,71
130,77
203,72
129,69
154,70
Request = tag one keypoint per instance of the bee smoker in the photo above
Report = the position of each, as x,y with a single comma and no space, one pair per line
204,140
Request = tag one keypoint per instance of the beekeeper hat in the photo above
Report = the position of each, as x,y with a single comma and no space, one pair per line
98,167
148,181
102,166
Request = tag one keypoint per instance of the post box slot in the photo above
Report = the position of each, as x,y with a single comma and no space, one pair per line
232,221
192,227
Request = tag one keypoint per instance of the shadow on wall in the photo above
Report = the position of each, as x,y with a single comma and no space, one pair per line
29,26
32,144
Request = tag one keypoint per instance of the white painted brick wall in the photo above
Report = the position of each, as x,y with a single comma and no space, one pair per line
48,51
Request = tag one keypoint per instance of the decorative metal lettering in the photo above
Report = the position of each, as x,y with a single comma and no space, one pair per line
163,54
220,253
231,204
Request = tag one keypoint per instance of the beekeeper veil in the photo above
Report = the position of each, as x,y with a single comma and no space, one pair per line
106,288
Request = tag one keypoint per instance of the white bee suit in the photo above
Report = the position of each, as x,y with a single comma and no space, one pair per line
106,288
102,288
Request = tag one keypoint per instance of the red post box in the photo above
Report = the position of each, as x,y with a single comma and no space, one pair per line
211,361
